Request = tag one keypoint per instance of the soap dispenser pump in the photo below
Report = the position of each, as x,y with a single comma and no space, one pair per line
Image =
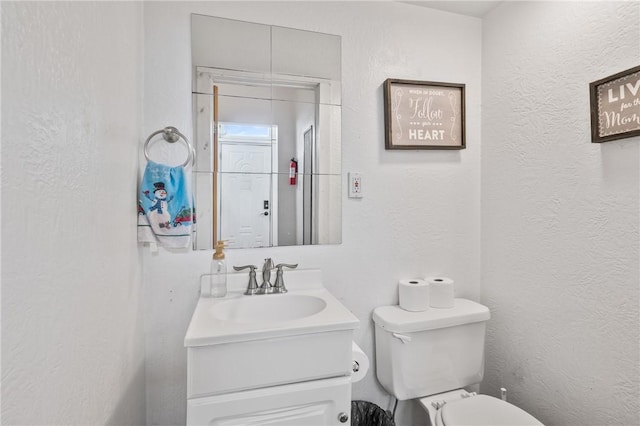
219,272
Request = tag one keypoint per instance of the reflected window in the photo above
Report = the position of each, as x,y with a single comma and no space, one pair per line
247,131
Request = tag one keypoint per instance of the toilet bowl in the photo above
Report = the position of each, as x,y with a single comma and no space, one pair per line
460,407
432,356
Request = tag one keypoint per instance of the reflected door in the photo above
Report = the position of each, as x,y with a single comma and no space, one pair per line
245,217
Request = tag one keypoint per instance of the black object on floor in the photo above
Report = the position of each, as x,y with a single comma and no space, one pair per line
365,413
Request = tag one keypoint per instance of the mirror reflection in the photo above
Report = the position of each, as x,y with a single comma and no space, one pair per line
267,133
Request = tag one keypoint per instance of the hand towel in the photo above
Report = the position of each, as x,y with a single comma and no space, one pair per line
165,206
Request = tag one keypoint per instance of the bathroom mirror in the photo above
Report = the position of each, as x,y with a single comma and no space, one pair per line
267,128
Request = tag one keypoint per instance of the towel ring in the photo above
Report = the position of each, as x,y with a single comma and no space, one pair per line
171,135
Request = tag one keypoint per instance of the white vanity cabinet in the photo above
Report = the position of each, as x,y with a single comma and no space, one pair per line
276,359
318,402
289,380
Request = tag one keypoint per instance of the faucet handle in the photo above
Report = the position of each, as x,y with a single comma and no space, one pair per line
241,268
286,265
252,287
279,287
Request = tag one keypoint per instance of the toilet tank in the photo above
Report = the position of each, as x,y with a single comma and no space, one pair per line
425,353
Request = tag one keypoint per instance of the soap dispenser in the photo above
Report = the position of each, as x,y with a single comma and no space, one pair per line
218,272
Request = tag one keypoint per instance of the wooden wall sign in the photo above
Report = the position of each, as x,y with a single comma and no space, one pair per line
615,106
424,115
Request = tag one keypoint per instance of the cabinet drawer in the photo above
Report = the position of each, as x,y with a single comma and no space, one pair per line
315,403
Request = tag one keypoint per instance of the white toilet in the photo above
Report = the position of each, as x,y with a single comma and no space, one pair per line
432,355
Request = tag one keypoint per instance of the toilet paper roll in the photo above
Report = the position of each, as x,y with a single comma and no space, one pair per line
360,363
441,292
413,295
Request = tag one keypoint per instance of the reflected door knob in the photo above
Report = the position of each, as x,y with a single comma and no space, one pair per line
343,417
264,214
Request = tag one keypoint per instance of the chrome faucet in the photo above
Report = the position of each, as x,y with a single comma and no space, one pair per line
266,286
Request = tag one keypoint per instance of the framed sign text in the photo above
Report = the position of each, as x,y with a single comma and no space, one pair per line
423,115
615,106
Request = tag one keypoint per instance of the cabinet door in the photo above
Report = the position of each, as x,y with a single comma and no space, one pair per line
318,402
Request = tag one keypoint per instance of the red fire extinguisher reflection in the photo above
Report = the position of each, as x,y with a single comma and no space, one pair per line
293,172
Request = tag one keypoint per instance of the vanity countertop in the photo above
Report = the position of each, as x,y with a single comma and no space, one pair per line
307,307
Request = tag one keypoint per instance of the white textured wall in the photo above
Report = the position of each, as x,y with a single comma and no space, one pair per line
420,214
72,331
560,215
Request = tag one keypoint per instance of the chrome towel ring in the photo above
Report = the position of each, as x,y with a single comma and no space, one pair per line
171,135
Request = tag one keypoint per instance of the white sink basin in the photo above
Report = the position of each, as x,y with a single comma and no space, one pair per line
241,342
268,308
308,307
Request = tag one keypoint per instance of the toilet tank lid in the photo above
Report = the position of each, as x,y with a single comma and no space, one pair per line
395,319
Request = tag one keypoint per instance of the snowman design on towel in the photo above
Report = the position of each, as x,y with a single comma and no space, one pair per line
158,212
165,206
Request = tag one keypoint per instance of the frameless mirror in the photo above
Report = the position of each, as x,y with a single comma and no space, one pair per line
267,120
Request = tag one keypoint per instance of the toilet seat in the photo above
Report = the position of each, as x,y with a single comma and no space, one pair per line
483,410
